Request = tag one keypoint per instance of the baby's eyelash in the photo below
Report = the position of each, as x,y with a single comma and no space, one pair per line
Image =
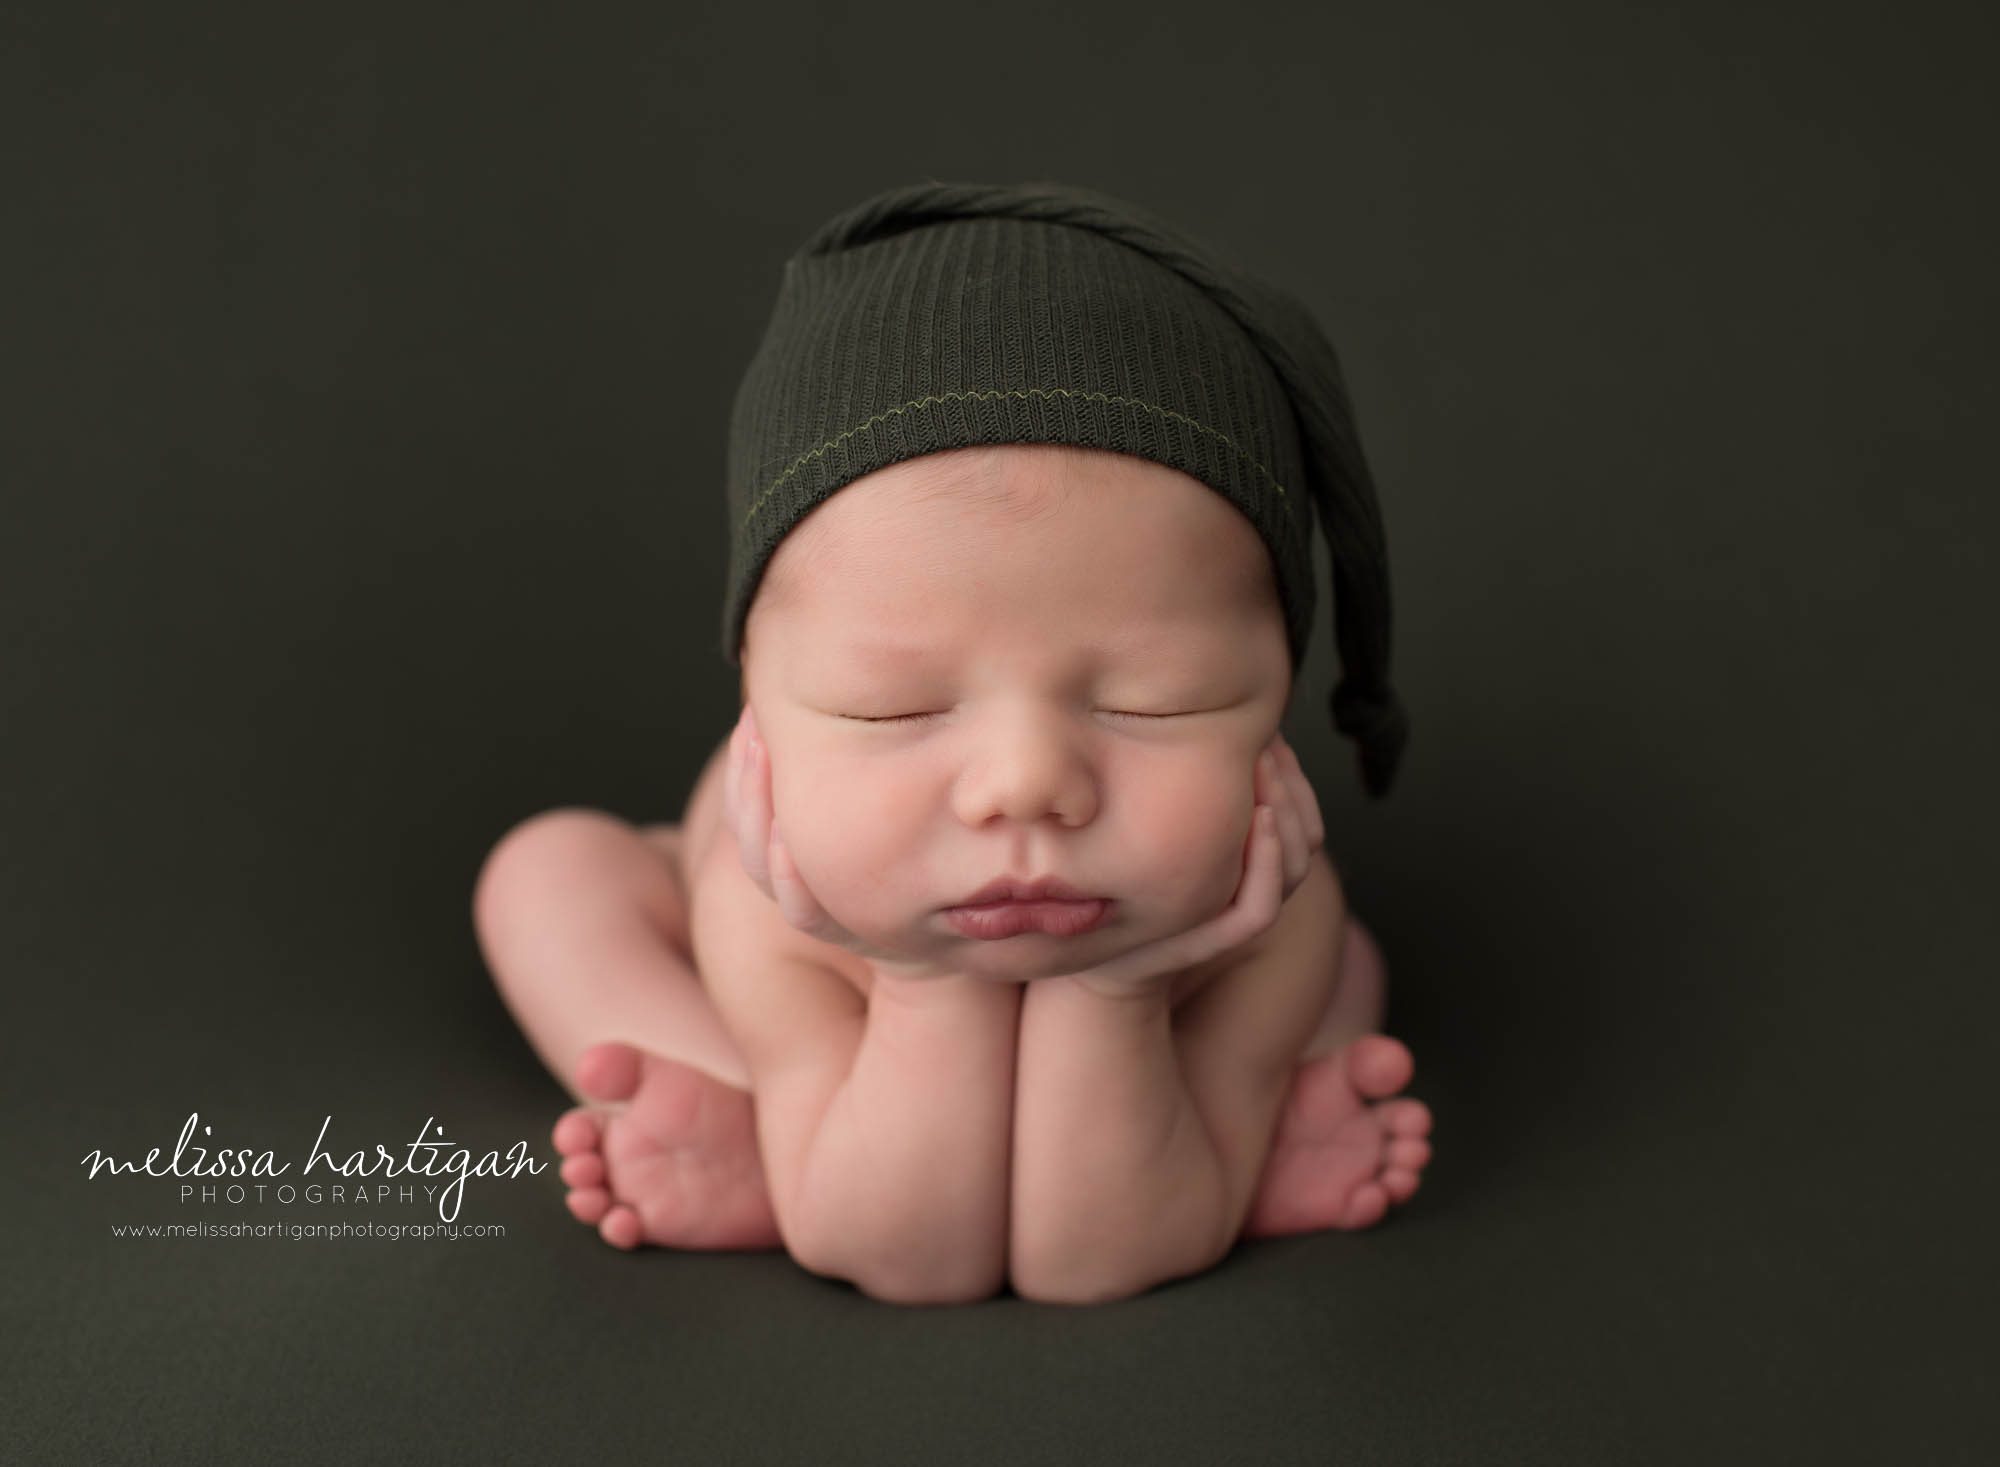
927,717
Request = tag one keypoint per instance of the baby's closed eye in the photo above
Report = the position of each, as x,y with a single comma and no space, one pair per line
929,717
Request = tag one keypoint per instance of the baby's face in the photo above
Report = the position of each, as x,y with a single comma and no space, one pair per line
1016,609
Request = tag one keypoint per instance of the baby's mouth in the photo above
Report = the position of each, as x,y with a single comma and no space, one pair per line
1026,889
992,921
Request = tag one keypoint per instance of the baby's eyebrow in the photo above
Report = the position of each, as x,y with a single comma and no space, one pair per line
890,651
1144,647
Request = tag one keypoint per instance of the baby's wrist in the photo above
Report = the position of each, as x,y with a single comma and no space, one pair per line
1141,995
931,989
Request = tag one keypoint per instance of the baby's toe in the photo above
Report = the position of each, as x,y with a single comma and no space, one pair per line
589,1204
1407,1154
586,1170
1379,1066
621,1227
1366,1206
1401,1185
576,1132
608,1071
1407,1118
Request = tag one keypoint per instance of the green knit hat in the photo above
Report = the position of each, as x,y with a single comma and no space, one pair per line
942,315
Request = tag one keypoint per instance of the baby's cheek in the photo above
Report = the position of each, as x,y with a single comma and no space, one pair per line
848,844
1193,844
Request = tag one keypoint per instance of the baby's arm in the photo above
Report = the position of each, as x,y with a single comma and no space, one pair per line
1141,1131
883,1123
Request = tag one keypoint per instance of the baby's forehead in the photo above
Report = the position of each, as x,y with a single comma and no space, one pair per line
970,508
848,640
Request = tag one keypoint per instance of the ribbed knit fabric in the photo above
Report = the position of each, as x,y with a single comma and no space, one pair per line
942,315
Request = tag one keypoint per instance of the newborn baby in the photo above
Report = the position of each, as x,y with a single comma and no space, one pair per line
996,946
957,674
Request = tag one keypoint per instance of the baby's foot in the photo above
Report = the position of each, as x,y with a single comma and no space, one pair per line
1343,1153
676,1165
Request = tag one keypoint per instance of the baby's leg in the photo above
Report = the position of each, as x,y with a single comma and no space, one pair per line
584,924
1344,1151
583,921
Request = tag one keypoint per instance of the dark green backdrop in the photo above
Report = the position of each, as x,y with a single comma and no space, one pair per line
365,380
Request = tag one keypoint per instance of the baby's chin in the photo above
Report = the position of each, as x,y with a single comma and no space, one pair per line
1028,956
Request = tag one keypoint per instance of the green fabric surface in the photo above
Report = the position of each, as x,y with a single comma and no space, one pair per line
366,376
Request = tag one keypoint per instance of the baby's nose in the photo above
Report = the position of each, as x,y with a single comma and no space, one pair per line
1029,782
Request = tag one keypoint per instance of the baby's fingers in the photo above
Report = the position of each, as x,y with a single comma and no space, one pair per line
732,772
752,805
1304,797
1295,848
1261,892
1280,795
1258,895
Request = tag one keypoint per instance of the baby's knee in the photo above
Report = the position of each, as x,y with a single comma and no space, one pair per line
1361,955
544,847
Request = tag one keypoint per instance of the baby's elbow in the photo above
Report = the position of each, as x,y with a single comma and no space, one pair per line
964,1284
902,1274
1056,1270
1068,1281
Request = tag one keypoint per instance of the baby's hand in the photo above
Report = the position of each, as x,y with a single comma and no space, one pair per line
1285,830
746,810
